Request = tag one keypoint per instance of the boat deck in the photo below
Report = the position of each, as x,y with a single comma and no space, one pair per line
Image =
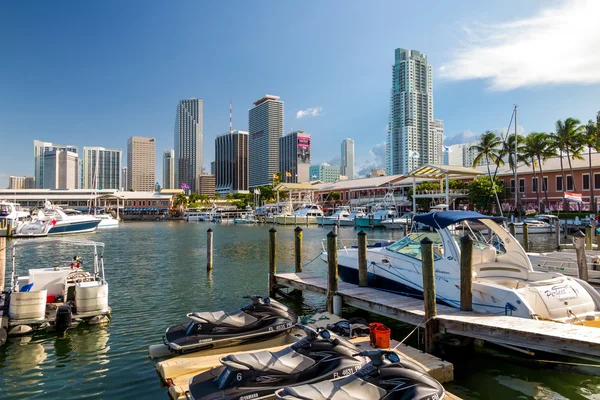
548,336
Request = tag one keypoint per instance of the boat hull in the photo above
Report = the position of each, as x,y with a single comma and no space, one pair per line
295,220
367,222
108,223
74,227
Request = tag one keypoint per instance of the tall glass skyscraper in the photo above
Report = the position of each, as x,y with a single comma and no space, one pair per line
347,158
189,134
231,162
414,136
108,163
169,169
265,123
39,149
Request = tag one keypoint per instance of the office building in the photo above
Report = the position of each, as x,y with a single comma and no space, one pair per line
21,182
231,162
463,154
39,149
169,169
294,157
101,168
124,182
324,173
265,125
213,168
141,163
61,169
347,158
206,185
414,136
189,136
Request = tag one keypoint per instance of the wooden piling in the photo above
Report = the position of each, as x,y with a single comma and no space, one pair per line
335,228
298,248
512,229
588,237
557,234
272,260
429,294
209,249
466,273
525,237
594,225
2,262
332,267
363,279
579,242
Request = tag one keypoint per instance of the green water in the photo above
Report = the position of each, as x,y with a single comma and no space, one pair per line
156,272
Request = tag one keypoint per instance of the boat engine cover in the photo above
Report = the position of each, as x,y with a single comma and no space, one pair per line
64,318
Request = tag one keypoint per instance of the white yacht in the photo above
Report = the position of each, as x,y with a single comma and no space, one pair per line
306,214
199,215
52,220
342,212
106,220
504,281
398,222
350,220
12,212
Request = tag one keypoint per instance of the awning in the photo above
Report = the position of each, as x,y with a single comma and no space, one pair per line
438,171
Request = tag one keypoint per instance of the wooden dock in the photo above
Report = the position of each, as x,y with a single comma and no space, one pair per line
552,337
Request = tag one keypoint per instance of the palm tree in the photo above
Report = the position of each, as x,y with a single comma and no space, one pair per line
568,141
592,141
539,150
488,148
180,201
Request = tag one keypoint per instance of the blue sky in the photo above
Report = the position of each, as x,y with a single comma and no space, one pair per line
97,72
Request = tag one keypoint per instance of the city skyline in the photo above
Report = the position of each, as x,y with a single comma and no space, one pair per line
113,89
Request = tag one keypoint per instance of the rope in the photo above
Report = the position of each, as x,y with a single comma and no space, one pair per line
318,255
423,322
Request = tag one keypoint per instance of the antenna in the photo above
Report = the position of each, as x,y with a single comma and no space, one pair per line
230,119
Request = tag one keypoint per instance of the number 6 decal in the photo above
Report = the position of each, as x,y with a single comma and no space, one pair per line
239,376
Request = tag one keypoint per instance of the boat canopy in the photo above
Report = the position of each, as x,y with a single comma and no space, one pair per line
442,219
40,242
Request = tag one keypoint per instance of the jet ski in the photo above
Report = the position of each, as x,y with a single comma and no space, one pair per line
319,356
386,376
261,320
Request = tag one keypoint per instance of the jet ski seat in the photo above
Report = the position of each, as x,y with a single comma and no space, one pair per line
343,389
286,361
238,319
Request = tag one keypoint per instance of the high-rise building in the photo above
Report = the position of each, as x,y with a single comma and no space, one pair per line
231,162
101,168
189,134
80,172
265,125
324,173
213,168
124,181
61,170
39,149
414,136
206,185
169,169
141,163
463,154
294,157
347,167
21,182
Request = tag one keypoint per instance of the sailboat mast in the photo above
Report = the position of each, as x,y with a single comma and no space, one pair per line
515,164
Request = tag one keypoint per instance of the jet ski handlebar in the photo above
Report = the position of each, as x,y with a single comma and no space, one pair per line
378,357
258,299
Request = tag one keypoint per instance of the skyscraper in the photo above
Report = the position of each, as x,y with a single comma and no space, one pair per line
189,133
108,163
39,149
21,182
61,169
231,162
169,169
124,182
414,136
265,123
141,163
324,173
347,167
294,157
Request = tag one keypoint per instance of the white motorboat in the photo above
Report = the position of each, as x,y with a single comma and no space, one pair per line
534,226
57,297
199,215
52,220
246,218
350,220
504,281
13,213
376,218
398,222
306,214
106,220
342,212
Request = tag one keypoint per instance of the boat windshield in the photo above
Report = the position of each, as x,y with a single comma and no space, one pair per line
479,233
410,245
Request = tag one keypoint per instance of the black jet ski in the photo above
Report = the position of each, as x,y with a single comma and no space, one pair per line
385,377
317,357
262,320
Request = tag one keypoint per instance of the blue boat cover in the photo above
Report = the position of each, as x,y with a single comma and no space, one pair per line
441,219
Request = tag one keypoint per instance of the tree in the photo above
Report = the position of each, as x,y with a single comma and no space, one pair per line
489,149
567,141
335,196
229,196
193,197
180,201
204,198
539,148
218,196
592,141
480,189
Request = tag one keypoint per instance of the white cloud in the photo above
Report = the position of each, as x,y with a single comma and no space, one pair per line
310,112
376,159
558,45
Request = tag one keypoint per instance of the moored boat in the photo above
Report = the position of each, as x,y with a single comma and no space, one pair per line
52,220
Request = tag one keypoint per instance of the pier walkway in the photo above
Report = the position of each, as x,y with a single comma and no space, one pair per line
552,337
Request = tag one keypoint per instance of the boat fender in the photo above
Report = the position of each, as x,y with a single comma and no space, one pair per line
63,320
3,336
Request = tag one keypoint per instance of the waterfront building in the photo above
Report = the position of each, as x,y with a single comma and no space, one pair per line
141,163
265,123
414,135
231,162
363,191
21,182
206,185
108,165
169,169
61,169
39,149
189,136
294,157
347,158
324,173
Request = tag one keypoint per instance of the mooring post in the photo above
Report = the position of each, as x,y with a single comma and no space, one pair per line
335,228
512,229
429,294
557,234
272,260
466,273
2,262
363,279
298,248
209,249
588,237
593,224
566,228
579,242
332,267
405,229
525,236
